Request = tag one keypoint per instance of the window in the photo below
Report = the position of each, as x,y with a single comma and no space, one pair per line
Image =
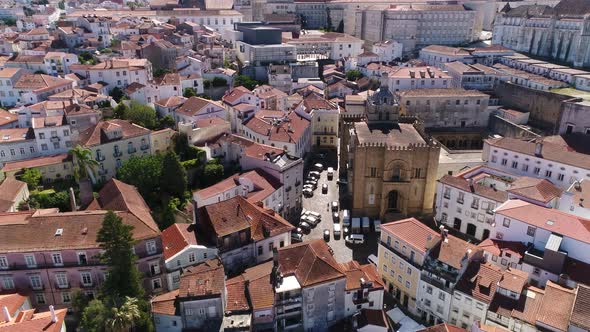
548,174
504,261
62,280
384,268
7,282
475,203
494,159
504,162
429,290
30,260
151,247
461,198
560,177
409,271
192,257
40,298
537,170
56,258
3,262
441,296
65,297
531,231
427,303
525,168
156,283
536,271
270,246
447,194
82,260
35,280
86,278
259,250
408,284
515,164
506,222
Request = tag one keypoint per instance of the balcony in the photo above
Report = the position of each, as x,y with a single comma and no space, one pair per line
447,196
460,200
436,283
100,157
400,254
117,154
50,265
131,150
87,286
144,147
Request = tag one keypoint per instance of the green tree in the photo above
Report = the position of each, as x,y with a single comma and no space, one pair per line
119,111
117,94
167,217
173,179
84,163
212,173
116,240
353,75
50,199
166,122
144,173
245,81
140,114
206,84
61,5
161,72
94,316
124,318
219,81
189,92
32,177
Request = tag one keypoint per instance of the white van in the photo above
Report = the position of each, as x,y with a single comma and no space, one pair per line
366,225
345,218
355,239
330,173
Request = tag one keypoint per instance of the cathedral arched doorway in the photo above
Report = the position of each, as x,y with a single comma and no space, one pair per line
393,200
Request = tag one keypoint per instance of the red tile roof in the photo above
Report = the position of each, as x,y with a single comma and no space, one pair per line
235,94
552,220
205,279
514,280
581,310
96,135
310,262
10,188
39,81
7,117
497,247
289,131
480,281
540,190
556,307
177,237
12,302
413,232
30,321
264,186
236,214
453,251
164,304
36,162
194,105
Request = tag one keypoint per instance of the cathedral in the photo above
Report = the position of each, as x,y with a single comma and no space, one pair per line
561,32
391,165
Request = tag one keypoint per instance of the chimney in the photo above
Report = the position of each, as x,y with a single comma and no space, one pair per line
442,231
7,316
470,181
53,316
73,205
259,204
539,149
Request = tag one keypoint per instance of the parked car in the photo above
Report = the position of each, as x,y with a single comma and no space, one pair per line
305,226
373,259
297,237
312,220
314,214
336,217
330,173
355,239
319,167
312,183
377,225
326,234
334,206
324,188
314,174
309,187
345,218
337,230
307,192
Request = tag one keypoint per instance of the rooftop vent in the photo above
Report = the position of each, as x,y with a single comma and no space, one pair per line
550,222
59,232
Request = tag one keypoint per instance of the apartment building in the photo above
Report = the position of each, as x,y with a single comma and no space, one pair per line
49,255
325,119
255,186
466,201
417,25
437,55
285,168
244,233
527,79
271,98
58,63
474,76
112,142
326,45
117,73
403,248
241,104
182,249
440,108
9,77
197,108
442,269
289,131
408,78
52,168
572,199
34,88
17,144
554,158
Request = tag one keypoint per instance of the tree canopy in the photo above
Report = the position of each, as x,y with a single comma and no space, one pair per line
140,114
32,176
144,173
245,81
173,179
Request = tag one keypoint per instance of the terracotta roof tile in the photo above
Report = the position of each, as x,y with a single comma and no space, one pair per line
40,81
310,262
205,279
581,310
177,237
282,131
165,303
236,295
413,232
96,135
514,280
36,162
556,307
453,251
7,118
497,247
235,94
10,189
540,190
194,105
478,189
12,302
30,321
480,281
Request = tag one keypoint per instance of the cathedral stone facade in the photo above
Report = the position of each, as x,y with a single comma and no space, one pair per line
561,32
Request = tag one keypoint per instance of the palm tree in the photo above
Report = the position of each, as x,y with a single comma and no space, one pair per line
84,164
122,319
